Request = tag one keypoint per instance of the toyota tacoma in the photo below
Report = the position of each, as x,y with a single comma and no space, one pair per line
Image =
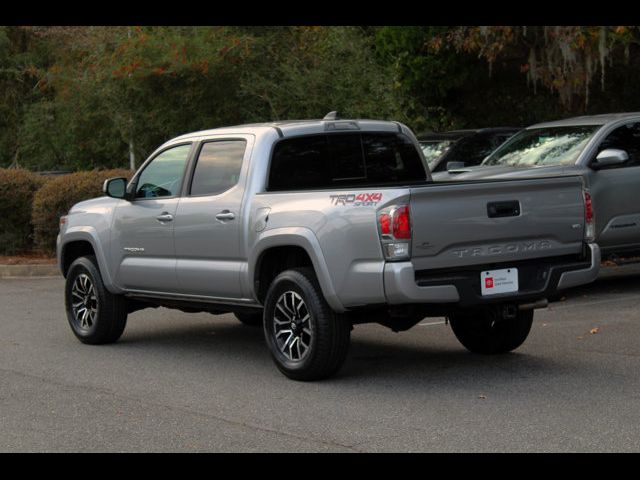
309,227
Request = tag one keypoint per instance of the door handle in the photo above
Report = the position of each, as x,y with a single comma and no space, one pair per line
165,217
225,215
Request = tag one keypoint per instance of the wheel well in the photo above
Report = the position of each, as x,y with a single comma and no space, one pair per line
73,250
274,261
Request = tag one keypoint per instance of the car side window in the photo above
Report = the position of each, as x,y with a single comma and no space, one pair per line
163,175
470,150
627,138
499,139
218,167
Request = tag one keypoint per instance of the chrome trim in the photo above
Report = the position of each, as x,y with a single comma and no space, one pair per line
133,249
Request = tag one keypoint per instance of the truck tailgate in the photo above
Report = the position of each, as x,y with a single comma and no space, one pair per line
472,223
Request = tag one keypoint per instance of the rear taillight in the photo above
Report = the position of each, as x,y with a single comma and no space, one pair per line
589,217
394,224
401,223
385,223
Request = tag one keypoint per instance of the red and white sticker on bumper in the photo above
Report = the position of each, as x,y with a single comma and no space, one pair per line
499,281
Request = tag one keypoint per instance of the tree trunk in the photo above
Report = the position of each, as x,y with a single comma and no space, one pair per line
132,156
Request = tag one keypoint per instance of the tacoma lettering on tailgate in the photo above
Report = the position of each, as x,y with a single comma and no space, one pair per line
500,249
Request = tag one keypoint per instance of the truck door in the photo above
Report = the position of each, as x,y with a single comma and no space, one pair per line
142,232
614,191
208,221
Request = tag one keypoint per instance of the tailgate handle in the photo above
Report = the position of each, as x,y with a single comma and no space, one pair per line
509,208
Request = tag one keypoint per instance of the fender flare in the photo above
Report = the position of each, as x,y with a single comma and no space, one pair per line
89,234
297,237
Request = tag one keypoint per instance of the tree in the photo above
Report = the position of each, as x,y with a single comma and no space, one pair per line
445,87
306,72
116,88
565,60
93,97
20,53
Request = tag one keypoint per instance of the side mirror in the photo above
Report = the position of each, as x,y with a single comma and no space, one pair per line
115,187
609,157
454,166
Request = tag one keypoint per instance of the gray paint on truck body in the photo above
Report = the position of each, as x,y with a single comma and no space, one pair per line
216,262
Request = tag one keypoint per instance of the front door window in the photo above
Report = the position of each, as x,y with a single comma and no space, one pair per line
163,176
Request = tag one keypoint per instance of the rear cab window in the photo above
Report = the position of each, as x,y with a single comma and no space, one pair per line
339,160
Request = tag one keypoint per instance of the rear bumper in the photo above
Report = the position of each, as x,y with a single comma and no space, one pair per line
573,278
539,278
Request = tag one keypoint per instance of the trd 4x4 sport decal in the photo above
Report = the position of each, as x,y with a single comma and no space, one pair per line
357,199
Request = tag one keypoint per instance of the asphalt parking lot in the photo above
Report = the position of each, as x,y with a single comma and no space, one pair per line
197,382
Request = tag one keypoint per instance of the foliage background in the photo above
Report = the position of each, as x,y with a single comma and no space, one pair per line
57,196
79,98
17,189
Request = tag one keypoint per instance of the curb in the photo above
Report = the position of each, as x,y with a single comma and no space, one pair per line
8,271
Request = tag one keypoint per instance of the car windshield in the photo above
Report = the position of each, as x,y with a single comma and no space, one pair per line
433,149
543,147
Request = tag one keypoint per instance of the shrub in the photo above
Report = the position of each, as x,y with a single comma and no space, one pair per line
17,189
58,195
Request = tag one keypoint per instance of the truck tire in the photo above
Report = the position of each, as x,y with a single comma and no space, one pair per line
487,332
249,319
96,316
307,340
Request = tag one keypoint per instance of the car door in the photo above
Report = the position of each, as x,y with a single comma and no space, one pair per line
208,221
142,229
614,191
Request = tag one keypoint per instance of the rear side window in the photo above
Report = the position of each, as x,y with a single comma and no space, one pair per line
218,167
299,164
344,160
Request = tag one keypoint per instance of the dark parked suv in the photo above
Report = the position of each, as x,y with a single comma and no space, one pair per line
464,147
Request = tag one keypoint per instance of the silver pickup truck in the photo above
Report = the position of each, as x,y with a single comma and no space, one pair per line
603,149
310,227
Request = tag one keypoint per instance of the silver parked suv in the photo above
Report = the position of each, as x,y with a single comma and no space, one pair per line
309,227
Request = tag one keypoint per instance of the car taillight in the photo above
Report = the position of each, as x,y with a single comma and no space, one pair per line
395,224
589,217
385,223
588,207
401,223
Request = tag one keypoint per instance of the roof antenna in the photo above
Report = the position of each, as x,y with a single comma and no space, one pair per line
331,116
